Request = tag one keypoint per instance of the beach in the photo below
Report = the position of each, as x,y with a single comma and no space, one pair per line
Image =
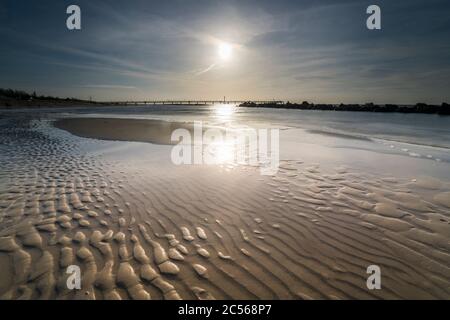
96,188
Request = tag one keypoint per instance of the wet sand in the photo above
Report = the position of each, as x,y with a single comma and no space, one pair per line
153,131
147,230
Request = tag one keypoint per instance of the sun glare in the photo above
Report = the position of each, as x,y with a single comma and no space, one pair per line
224,111
225,50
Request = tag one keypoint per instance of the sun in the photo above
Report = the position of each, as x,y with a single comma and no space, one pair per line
225,50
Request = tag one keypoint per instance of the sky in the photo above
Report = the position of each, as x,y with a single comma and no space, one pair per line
319,51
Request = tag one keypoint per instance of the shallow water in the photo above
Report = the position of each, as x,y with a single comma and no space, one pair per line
352,190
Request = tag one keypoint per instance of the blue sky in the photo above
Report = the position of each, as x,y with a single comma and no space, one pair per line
319,51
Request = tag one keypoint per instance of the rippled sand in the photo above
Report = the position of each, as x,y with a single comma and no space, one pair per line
141,231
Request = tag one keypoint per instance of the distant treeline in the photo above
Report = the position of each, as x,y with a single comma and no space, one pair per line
10,98
22,95
443,109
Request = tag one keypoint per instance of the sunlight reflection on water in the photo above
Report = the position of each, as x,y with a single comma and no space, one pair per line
224,112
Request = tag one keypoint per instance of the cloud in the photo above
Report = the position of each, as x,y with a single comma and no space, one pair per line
205,70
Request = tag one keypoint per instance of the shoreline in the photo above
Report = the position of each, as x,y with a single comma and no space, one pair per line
419,108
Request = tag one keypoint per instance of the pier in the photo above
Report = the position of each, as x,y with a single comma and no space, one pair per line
193,102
